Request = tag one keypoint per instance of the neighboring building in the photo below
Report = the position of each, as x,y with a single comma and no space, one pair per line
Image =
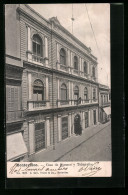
104,103
51,83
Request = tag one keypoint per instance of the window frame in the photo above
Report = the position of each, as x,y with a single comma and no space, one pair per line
93,72
64,89
85,64
63,57
76,89
38,89
38,42
86,93
75,63
94,93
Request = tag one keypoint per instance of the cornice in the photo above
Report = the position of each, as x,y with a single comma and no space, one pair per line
57,110
54,71
48,29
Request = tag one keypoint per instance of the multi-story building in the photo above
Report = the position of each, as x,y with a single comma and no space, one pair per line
51,83
104,103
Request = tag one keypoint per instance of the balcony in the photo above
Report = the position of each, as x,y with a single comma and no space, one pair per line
37,105
13,116
94,100
63,67
72,102
37,59
104,104
75,71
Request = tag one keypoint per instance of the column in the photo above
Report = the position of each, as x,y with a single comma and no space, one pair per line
58,89
72,123
71,62
59,128
46,51
29,44
31,137
69,124
47,123
58,56
92,120
30,104
80,66
72,97
88,72
47,91
69,93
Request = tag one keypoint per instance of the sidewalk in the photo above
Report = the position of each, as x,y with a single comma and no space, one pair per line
68,145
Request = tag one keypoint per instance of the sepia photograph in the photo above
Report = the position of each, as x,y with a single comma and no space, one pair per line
58,90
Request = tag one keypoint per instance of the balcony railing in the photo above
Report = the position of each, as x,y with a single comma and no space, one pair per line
14,115
63,67
38,59
64,102
72,102
76,71
37,104
105,104
94,100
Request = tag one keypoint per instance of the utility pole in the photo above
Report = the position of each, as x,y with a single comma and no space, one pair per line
72,19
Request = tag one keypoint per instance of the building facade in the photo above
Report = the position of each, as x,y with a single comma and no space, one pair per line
104,104
52,90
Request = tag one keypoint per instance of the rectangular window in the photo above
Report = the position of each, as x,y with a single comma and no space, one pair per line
94,117
39,136
64,128
86,119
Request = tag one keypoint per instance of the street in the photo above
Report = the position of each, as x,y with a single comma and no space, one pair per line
96,148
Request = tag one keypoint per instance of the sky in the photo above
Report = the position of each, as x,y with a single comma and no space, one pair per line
99,15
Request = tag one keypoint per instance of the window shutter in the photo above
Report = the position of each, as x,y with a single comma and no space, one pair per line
8,98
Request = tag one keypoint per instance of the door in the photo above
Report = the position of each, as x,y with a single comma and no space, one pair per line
64,128
77,125
39,136
86,119
94,116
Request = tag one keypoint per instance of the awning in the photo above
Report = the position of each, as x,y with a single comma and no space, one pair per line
107,110
16,147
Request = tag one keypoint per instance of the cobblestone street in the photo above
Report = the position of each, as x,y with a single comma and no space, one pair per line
96,148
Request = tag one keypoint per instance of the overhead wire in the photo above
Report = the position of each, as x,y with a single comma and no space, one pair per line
95,38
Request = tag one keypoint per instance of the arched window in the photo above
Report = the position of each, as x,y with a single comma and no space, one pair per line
63,92
75,63
37,45
94,93
62,57
85,93
38,90
76,93
93,71
85,68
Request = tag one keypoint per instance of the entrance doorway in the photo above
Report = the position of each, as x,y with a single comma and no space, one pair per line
94,116
77,125
39,136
